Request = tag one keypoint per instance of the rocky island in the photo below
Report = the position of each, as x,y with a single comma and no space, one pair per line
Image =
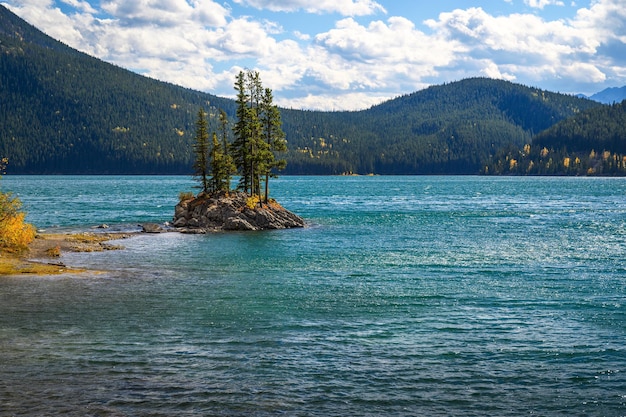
257,140
231,211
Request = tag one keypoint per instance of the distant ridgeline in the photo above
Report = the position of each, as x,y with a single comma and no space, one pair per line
62,111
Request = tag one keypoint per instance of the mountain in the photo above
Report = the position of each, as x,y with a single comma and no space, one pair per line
445,129
591,143
610,95
62,111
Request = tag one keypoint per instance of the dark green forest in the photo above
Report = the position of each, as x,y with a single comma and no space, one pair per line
62,111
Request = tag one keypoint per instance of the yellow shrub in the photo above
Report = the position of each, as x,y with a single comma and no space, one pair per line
253,201
14,233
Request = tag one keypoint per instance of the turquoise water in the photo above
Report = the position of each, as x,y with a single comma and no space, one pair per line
428,296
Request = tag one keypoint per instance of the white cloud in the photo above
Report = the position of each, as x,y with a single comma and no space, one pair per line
301,36
491,70
343,7
166,12
209,13
520,33
582,72
333,102
43,15
242,37
383,53
81,5
540,4
605,20
525,46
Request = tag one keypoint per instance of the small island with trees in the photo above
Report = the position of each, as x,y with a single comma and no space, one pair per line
252,155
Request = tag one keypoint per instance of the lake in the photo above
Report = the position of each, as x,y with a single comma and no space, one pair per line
404,296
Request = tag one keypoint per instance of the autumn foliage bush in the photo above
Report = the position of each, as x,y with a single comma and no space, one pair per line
15,234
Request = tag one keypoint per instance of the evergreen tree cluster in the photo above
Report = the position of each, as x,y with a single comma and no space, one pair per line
591,143
213,166
258,137
258,134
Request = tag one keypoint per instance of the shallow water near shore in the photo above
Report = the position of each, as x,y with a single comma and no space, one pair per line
404,296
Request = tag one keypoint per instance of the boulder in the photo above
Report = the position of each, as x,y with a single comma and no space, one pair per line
238,223
232,211
151,228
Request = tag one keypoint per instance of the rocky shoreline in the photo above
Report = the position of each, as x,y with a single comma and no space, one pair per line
232,211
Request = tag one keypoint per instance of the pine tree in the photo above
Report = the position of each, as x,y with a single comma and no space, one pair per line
240,148
258,134
274,138
228,159
257,148
222,167
201,150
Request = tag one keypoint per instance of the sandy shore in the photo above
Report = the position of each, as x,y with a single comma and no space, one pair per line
43,253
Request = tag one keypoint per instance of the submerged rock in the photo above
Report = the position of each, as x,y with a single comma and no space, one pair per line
232,211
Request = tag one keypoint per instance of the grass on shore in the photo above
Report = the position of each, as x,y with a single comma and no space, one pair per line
12,264
50,246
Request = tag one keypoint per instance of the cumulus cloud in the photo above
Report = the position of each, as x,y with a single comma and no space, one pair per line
527,46
166,12
334,102
353,62
383,53
491,70
396,40
605,20
522,34
343,7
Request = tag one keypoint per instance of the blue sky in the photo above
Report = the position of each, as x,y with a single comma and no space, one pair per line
347,54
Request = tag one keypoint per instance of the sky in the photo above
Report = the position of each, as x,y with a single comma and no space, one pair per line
346,54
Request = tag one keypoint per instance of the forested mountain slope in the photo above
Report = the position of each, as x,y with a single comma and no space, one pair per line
443,129
591,143
62,111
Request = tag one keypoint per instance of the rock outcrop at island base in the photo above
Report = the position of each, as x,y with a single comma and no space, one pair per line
231,211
